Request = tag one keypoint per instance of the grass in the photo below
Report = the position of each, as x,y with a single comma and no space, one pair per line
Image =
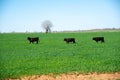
53,55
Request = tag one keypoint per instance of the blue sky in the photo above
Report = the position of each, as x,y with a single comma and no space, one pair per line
28,15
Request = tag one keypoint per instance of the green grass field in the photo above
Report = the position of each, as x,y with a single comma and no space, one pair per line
53,55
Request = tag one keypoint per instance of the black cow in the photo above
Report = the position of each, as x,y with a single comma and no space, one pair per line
98,39
35,39
69,40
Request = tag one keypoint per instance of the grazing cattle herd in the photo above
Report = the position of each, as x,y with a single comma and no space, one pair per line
67,40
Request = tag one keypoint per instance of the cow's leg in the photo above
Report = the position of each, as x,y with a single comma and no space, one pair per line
103,40
37,42
74,41
67,41
97,41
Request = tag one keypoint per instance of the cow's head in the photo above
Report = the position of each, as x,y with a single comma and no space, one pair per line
28,38
65,39
94,38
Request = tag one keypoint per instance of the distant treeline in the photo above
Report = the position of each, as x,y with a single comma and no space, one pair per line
91,30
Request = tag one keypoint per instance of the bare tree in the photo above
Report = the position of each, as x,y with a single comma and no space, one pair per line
47,25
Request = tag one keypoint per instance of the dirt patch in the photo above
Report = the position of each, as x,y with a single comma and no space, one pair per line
73,76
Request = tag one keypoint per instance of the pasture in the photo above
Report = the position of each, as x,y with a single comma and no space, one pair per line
52,54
